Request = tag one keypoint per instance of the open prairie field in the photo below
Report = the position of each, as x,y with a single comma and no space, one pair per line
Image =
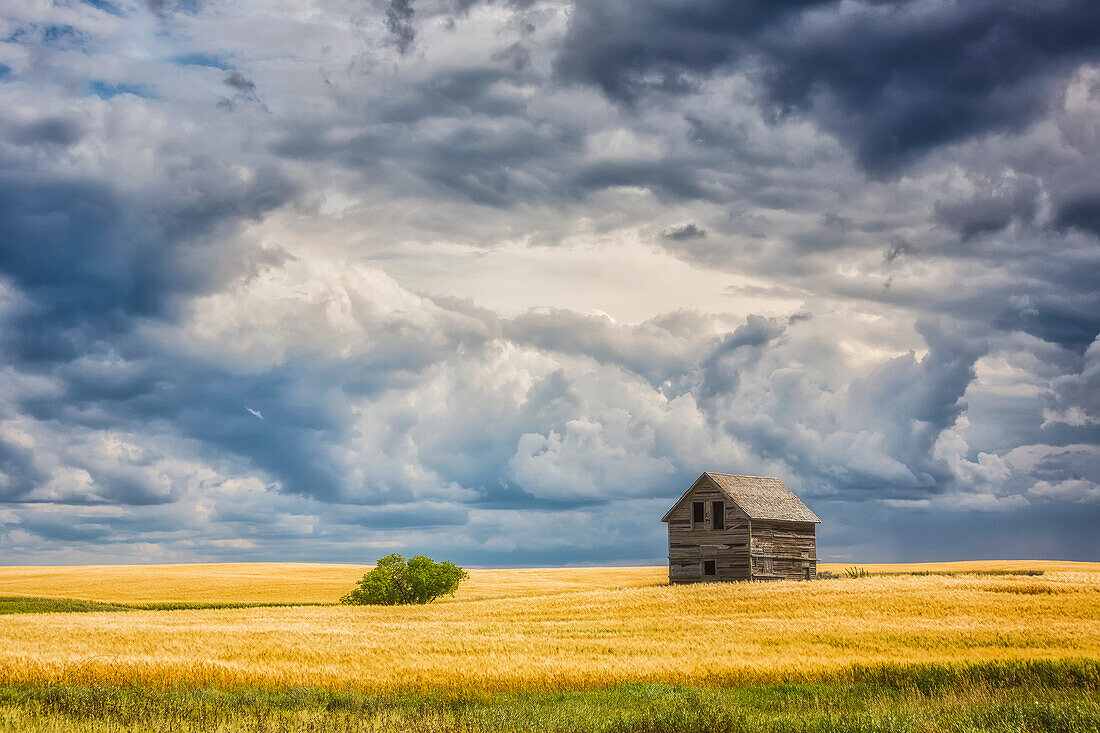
577,629
289,582
315,583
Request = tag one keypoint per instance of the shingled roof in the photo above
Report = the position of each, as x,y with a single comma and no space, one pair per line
761,497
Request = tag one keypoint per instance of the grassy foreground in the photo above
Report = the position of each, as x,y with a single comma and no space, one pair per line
1062,696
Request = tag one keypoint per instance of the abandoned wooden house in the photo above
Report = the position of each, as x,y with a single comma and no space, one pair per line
728,527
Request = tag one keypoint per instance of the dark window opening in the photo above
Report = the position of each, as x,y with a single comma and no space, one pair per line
708,567
719,515
699,512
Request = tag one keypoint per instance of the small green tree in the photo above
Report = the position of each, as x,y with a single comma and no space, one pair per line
396,581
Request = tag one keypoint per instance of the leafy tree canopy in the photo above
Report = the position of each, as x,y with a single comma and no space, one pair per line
395,581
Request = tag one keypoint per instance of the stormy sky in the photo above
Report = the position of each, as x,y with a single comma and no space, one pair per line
495,281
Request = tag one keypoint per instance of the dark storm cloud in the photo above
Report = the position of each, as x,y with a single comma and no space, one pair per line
669,180
60,237
517,55
457,133
684,231
164,9
899,247
17,467
59,529
1044,282
935,534
399,22
893,80
630,48
430,515
990,211
49,131
245,90
1081,211
896,82
84,250
241,83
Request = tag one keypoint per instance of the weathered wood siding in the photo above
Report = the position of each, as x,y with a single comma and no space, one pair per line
690,546
783,550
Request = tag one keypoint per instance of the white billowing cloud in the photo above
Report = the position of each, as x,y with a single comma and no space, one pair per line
587,463
90,466
1077,491
614,455
332,309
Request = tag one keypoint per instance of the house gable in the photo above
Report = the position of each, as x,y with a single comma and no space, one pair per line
683,497
704,480
759,497
704,490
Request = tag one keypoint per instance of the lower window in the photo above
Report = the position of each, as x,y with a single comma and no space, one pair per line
709,567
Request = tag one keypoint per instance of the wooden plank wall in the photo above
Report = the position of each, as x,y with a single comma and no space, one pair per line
788,547
688,548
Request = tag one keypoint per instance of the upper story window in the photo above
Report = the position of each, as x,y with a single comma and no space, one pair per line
698,514
719,515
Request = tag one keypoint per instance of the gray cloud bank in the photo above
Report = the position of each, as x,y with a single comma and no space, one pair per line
866,239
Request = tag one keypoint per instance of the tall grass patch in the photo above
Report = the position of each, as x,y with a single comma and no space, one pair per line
1037,696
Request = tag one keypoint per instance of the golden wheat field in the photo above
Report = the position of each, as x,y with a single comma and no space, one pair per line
315,583
539,629
288,582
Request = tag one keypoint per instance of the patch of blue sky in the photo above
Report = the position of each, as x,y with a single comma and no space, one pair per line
187,7
5,71
63,36
200,59
107,90
55,34
17,35
106,6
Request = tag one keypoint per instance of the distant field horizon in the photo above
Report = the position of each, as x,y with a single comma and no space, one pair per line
298,582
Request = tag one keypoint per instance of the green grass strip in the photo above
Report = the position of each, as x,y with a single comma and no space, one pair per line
1062,696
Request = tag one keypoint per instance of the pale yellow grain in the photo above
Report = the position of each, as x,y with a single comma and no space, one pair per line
540,636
